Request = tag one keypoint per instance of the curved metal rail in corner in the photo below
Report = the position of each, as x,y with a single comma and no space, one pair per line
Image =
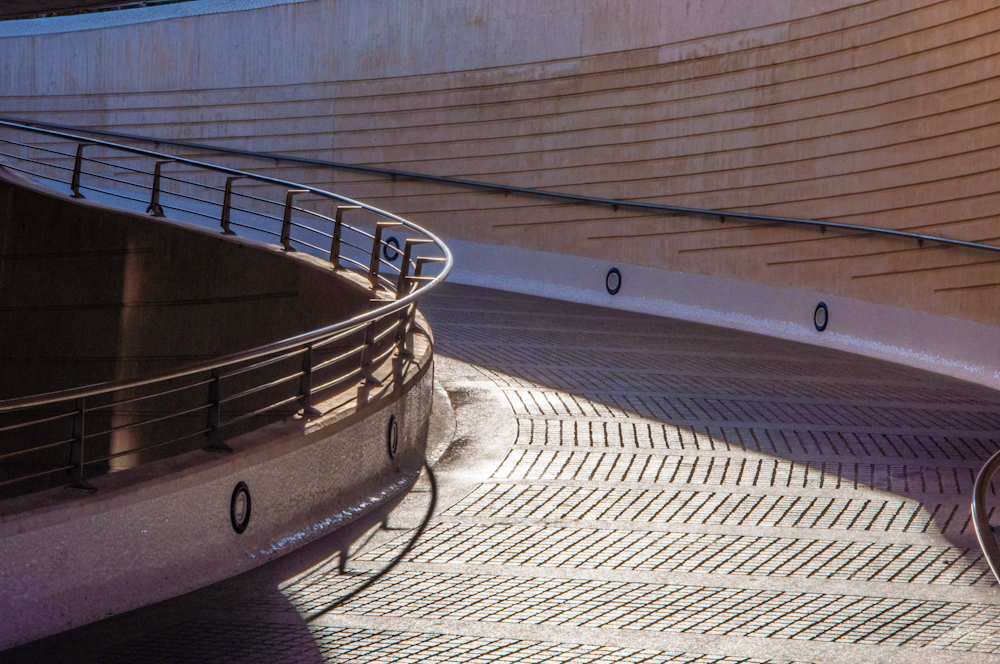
981,516
217,398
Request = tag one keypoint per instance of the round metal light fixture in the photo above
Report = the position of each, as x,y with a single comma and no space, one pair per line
239,507
613,282
392,436
388,251
821,317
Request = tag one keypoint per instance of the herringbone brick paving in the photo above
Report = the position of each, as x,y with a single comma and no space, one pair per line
661,491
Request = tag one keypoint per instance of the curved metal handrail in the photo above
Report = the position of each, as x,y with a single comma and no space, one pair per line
526,191
981,517
405,289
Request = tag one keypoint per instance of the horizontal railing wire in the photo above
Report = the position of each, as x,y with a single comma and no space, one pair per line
182,396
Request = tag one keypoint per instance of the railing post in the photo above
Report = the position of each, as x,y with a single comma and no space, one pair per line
404,269
305,385
286,224
227,201
377,251
402,290
78,170
367,355
76,449
338,225
154,199
406,344
215,443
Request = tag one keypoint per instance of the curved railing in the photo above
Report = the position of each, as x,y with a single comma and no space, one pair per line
981,515
54,433
613,203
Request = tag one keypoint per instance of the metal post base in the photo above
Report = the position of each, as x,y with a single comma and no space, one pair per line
215,444
82,485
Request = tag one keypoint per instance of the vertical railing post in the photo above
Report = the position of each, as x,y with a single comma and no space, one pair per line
305,385
286,224
368,355
227,201
76,449
338,227
403,288
215,442
154,199
411,311
78,170
373,267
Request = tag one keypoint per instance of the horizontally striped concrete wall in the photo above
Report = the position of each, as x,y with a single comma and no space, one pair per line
881,112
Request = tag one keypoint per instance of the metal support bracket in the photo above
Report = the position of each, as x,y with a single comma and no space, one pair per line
76,449
215,443
305,386
367,355
227,201
338,226
377,250
78,170
286,224
154,200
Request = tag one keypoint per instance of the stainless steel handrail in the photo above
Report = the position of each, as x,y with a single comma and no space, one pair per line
981,517
396,314
525,191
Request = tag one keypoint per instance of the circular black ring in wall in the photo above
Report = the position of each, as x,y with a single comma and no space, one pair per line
392,436
613,282
239,507
388,251
821,317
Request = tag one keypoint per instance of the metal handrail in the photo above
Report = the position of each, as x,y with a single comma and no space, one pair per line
526,191
396,314
981,517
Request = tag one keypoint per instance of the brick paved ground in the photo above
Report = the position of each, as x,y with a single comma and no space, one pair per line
630,489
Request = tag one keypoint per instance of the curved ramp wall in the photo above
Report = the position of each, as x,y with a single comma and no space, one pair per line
164,528
877,113
91,293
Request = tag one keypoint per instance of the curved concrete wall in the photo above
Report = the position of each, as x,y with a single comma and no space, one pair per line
91,293
164,529
877,112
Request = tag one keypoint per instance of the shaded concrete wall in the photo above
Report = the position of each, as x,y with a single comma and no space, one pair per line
878,112
89,293
164,529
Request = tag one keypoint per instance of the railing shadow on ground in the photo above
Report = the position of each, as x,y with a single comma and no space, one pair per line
222,622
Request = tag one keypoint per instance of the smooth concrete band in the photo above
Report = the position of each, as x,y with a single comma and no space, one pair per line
942,344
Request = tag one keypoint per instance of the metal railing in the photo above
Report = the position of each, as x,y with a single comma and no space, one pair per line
65,437
985,533
983,529
615,204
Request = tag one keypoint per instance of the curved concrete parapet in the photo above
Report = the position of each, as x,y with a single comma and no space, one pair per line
164,528
334,461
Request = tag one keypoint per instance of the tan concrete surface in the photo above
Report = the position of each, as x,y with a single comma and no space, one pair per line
877,112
